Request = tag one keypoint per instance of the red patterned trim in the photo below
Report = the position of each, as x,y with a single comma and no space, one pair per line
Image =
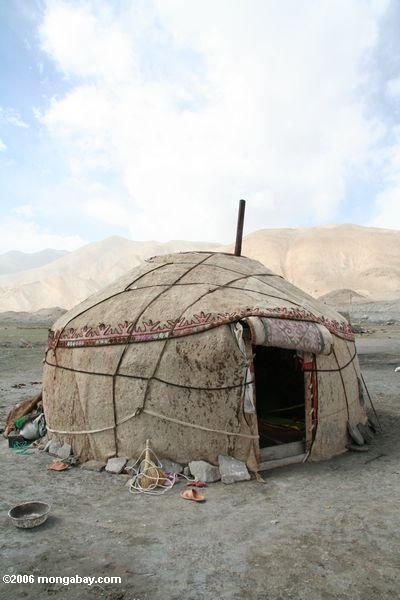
127,332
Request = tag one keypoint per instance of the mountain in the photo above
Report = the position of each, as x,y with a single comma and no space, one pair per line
348,263
15,261
320,260
71,278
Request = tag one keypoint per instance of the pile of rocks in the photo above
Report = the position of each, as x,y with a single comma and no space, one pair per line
228,470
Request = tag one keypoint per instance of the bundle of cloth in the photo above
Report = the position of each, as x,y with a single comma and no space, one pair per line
25,422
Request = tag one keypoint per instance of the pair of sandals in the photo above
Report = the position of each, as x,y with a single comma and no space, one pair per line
192,493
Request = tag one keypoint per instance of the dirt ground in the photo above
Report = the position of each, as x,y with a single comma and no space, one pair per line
312,531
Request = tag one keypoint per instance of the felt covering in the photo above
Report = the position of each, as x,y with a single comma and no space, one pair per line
155,356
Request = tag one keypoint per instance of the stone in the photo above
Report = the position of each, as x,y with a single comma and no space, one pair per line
65,451
116,465
93,465
232,470
203,471
186,472
355,434
54,447
47,446
24,344
366,432
169,466
355,448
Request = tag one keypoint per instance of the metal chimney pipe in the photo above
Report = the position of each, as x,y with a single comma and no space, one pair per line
239,229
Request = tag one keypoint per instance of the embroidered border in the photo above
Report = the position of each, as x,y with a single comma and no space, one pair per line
127,332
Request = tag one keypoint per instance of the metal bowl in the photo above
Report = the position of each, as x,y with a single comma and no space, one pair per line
29,514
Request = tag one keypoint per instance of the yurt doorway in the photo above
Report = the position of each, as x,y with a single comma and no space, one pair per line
280,400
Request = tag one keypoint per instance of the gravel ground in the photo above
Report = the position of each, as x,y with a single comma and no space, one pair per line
312,531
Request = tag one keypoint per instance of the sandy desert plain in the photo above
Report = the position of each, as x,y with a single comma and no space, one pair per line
326,531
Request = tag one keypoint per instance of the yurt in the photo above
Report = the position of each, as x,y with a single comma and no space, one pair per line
203,354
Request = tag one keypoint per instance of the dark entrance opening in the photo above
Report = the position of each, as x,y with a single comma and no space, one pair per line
279,396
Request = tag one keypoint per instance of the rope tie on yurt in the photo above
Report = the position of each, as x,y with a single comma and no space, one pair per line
343,385
340,368
177,421
372,404
165,343
152,413
141,313
141,378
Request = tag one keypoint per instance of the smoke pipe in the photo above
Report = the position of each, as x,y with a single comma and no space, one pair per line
239,229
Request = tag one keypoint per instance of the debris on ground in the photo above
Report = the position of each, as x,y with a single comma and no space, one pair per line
23,409
24,343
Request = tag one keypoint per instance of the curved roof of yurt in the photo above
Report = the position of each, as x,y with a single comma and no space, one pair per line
125,364
180,294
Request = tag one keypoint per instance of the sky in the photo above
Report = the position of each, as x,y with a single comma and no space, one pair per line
151,119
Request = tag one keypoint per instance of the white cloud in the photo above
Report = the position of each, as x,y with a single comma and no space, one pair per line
196,105
12,117
3,147
86,43
393,87
110,210
387,202
27,236
25,210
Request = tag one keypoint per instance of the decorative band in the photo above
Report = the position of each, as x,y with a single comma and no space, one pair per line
131,332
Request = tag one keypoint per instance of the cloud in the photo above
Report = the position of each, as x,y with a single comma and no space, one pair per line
28,236
12,117
387,201
191,106
25,210
3,147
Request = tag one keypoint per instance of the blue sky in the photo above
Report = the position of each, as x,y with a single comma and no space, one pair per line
150,119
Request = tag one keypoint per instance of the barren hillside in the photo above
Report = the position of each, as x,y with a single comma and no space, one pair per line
346,260
70,279
320,260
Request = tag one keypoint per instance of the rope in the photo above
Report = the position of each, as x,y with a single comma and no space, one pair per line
177,385
141,470
370,399
343,384
146,391
221,431
340,368
154,414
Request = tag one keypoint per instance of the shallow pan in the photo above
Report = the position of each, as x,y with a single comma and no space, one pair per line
29,514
